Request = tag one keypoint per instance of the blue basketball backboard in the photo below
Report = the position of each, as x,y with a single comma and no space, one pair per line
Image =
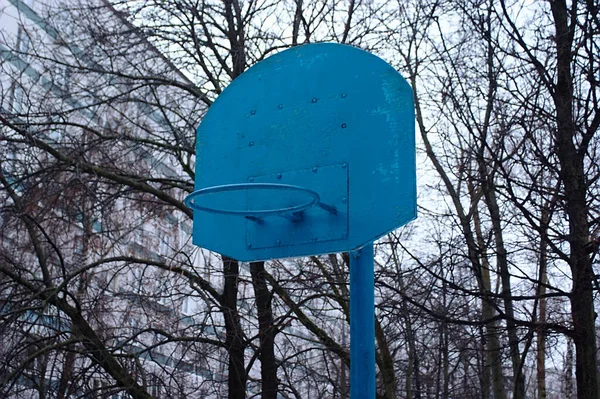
312,151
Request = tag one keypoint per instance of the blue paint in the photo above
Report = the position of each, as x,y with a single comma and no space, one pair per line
316,106
362,323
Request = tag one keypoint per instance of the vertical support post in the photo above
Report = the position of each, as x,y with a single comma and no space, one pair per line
362,323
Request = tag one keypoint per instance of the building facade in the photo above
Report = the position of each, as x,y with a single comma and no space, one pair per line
89,116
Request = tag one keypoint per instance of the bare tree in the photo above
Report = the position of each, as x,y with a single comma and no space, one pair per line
102,292
99,128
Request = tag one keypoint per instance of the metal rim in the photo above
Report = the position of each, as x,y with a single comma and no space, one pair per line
313,198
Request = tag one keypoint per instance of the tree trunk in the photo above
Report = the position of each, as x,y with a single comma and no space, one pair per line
445,380
485,377
494,350
502,263
488,188
386,363
235,341
572,173
66,376
413,380
568,372
267,331
541,318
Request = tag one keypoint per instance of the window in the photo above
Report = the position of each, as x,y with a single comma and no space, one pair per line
154,385
23,41
78,247
165,245
97,219
164,299
137,279
114,282
18,103
186,306
62,78
163,289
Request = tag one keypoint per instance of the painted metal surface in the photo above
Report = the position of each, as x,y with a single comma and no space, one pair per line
312,107
362,323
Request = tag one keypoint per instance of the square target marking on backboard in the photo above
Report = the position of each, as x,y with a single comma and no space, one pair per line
313,225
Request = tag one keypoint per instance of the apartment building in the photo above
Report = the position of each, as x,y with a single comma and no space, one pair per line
80,89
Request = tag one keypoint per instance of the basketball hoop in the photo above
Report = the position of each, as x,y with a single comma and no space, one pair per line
309,198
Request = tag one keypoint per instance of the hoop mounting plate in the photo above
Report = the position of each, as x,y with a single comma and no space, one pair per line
314,225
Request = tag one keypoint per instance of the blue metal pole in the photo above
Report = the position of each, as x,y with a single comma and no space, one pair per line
362,323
